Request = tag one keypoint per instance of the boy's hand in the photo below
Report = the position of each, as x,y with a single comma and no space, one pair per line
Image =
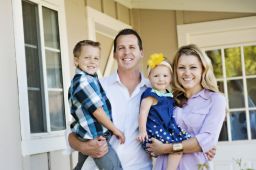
142,136
119,135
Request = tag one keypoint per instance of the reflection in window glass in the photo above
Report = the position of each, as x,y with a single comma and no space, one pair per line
224,132
56,107
233,62
251,88
215,56
253,123
250,60
54,69
238,125
221,86
235,93
51,29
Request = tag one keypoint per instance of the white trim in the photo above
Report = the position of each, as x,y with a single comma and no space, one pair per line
106,25
40,142
200,33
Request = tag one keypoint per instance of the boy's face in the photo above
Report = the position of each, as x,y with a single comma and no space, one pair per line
89,59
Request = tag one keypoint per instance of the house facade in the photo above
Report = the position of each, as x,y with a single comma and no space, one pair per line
37,38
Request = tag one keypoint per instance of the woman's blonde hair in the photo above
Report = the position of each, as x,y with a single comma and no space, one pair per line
208,80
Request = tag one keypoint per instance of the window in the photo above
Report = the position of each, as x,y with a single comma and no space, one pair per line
41,59
235,69
44,72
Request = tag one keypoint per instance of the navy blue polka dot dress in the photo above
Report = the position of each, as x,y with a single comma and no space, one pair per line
160,122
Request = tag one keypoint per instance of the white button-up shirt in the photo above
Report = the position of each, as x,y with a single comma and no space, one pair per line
125,113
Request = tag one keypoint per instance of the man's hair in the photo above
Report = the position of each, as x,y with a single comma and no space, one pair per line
80,44
128,31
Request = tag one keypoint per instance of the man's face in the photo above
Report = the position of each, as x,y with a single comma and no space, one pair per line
128,53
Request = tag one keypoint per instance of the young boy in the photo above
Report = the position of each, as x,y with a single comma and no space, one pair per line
90,106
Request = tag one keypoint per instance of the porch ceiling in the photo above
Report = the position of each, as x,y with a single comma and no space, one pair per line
243,6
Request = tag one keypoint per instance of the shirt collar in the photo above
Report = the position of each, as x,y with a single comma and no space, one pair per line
144,82
204,93
79,71
160,94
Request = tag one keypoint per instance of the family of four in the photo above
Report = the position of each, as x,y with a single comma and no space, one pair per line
124,119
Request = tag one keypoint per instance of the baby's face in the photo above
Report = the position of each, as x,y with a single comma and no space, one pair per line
89,59
160,78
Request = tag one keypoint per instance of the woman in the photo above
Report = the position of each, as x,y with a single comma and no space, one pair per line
200,111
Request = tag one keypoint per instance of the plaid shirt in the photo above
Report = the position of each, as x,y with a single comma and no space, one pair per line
85,96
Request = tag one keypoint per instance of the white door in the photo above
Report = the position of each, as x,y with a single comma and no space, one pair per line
231,46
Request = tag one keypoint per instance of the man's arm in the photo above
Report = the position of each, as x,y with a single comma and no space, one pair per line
95,148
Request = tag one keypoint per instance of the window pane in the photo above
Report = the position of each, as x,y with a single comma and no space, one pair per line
251,88
238,125
221,86
235,94
215,56
51,30
224,132
32,66
56,106
250,60
30,20
233,62
37,118
54,69
253,123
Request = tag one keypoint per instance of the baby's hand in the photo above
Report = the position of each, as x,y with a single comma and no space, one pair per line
142,136
119,135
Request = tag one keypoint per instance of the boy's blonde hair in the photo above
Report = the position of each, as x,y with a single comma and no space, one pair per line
80,44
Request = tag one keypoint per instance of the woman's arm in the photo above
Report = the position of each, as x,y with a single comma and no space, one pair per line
95,148
158,148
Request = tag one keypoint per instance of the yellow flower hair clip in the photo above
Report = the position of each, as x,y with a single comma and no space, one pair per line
155,59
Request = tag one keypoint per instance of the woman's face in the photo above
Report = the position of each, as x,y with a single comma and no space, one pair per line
189,73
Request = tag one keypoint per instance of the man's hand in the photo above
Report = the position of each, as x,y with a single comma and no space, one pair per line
156,147
95,148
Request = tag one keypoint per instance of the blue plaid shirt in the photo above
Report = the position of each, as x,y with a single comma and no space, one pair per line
85,96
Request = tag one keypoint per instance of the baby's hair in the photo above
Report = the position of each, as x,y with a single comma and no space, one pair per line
165,63
80,44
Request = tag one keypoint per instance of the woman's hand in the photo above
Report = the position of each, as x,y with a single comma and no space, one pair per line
211,154
158,148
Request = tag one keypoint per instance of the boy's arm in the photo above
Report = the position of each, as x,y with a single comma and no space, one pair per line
145,105
101,117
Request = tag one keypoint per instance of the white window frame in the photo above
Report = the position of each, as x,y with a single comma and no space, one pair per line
39,142
98,22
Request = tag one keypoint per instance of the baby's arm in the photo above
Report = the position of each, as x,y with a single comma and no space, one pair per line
101,117
145,105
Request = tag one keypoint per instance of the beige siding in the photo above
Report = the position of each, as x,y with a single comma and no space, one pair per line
10,146
96,4
158,31
123,13
109,7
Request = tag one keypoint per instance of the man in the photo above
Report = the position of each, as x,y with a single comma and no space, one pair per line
124,89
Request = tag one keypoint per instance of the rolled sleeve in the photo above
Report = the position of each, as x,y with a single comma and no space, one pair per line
209,133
